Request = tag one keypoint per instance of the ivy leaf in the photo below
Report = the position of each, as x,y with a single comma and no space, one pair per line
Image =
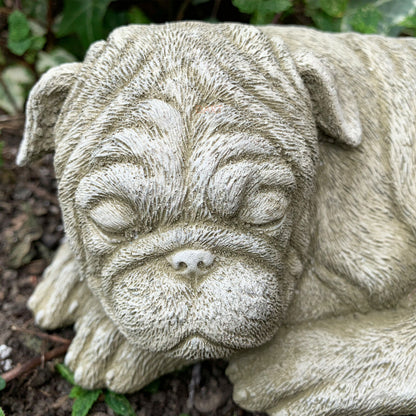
366,20
84,400
379,16
119,404
65,372
334,8
83,17
19,39
409,21
2,380
136,15
262,11
325,22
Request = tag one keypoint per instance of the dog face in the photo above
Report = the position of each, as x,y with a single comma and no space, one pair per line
186,244
185,180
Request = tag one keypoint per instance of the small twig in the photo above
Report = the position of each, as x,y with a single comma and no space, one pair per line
7,118
34,362
276,18
182,10
214,11
43,335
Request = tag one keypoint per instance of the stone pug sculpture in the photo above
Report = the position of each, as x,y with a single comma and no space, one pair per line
237,192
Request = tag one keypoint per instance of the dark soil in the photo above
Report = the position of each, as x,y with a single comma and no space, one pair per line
31,229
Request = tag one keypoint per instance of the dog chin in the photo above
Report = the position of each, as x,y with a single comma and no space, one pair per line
199,347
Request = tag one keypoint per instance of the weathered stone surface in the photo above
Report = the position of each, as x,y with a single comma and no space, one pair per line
237,192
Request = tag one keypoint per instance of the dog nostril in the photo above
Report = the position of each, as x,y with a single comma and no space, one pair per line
201,265
182,265
191,261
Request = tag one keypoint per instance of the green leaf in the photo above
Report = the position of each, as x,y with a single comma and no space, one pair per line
118,403
77,391
334,8
366,20
325,22
65,372
409,21
84,400
38,42
380,16
113,19
2,380
135,15
1,412
262,7
72,44
19,39
83,17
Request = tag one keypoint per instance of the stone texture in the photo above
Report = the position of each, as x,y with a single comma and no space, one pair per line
237,192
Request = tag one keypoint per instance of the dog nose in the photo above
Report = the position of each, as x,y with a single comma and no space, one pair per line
191,262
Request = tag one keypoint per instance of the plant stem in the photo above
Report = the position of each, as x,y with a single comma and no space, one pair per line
43,335
182,10
34,362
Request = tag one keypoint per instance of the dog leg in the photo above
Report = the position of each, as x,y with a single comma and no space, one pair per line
60,296
357,365
99,354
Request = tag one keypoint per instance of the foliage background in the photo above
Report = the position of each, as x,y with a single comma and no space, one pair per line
38,34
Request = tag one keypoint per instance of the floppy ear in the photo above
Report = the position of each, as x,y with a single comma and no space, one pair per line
334,105
42,110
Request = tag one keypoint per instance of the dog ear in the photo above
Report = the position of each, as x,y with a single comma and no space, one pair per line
334,105
42,111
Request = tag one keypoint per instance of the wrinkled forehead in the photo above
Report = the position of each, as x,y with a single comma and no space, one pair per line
200,72
159,137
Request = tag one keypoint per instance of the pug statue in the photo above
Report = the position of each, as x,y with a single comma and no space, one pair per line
237,192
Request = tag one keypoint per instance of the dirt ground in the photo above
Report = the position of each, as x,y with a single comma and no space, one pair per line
30,231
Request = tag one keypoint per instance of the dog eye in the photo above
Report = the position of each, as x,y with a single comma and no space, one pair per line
263,207
113,217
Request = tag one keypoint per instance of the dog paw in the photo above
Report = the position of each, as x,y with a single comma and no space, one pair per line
100,356
59,296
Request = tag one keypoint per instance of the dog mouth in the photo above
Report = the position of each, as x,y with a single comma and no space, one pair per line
197,345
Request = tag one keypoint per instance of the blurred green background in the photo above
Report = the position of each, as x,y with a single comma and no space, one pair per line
36,35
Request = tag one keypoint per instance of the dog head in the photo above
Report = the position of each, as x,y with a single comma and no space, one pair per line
186,158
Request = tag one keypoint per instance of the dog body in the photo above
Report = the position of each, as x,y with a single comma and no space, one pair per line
237,189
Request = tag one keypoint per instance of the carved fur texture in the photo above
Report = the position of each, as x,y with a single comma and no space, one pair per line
227,188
